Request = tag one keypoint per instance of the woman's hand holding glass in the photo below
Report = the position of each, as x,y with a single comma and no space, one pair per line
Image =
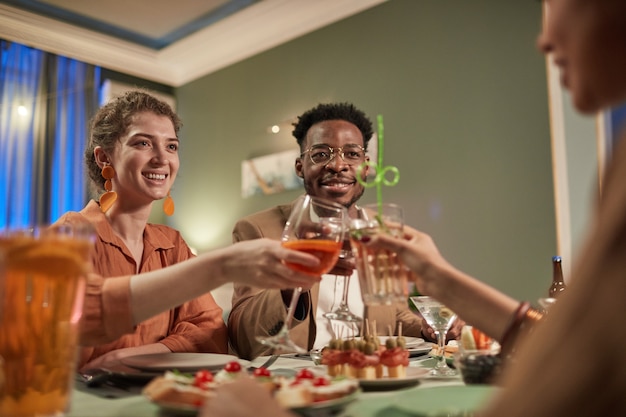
418,253
382,277
263,263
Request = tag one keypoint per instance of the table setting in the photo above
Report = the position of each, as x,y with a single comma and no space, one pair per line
378,375
427,395
426,385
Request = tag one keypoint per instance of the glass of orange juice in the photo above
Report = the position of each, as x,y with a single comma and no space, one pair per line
41,296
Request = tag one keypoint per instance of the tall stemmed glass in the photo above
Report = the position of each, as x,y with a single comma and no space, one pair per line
440,318
315,226
342,312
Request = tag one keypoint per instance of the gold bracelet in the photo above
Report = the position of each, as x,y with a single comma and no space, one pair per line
523,315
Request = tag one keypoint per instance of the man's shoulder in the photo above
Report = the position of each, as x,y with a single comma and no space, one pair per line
273,212
266,223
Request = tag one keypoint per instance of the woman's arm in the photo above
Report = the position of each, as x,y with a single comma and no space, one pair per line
114,305
256,263
476,302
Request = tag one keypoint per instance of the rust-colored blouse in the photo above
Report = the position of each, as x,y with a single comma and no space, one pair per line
196,326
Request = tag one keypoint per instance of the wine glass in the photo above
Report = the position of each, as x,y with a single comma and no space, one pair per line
440,318
315,226
342,312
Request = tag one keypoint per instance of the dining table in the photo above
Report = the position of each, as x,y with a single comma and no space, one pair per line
126,400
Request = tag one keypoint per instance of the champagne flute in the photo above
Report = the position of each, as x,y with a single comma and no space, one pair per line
315,226
342,312
440,318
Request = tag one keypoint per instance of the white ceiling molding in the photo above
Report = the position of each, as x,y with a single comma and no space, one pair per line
255,29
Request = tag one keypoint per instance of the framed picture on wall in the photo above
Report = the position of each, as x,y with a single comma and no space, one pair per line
269,174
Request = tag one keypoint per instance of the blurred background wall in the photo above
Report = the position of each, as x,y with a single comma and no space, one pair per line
463,93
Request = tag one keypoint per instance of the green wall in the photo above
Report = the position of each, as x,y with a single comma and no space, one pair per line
462,90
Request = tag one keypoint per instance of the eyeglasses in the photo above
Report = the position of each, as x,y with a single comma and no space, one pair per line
323,154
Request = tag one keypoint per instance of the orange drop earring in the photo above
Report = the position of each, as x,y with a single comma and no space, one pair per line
168,205
108,198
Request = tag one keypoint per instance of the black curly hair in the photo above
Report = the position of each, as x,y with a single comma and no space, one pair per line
333,111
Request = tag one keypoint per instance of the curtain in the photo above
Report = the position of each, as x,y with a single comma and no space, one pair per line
617,116
46,102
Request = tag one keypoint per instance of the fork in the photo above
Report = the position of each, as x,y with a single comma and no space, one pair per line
266,364
98,377
95,377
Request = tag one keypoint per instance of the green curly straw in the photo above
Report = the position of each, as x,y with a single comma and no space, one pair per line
380,177
382,263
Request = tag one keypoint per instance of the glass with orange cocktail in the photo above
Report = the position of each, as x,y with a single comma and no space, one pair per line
41,298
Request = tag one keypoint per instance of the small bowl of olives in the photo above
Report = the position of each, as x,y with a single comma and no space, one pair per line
478,366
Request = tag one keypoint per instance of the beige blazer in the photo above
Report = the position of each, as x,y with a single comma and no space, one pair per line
260,313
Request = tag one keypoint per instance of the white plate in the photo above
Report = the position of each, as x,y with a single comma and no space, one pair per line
410,341
130,374
413,376
326,408
183,362
321,408
420,349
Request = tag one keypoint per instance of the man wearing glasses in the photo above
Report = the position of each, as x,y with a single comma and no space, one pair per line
333,142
